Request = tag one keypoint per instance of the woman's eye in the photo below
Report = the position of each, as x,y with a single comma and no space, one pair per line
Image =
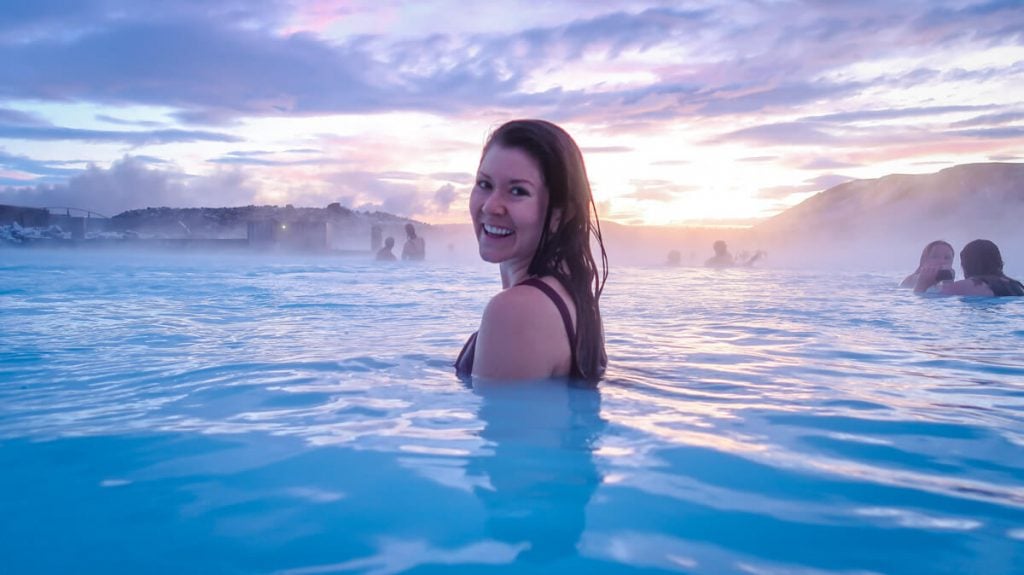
517,191
483,184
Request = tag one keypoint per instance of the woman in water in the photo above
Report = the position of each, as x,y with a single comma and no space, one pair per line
533,215
983,274
938,254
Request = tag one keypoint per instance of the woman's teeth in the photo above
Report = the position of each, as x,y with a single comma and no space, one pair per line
496,231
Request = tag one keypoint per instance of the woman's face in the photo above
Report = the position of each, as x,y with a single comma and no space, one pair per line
941,256
508,205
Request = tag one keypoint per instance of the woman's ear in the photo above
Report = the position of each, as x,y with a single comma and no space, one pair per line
559,215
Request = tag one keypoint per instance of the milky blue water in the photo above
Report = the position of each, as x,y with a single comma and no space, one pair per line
177,413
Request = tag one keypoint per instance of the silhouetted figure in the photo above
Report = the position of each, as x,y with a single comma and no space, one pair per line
385,254
674,258
938,253
983,274
414,248
722,257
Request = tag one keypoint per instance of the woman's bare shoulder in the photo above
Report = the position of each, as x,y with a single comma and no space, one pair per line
522,303
521,335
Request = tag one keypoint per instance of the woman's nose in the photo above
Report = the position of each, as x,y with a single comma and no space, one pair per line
495,204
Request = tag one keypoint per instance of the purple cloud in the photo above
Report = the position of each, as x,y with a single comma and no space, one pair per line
138,138
131,184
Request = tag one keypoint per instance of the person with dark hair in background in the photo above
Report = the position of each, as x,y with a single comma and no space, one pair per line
983,274
938,253
385,254
722,257
533,214
414,248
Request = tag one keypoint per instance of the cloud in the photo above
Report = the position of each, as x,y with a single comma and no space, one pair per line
261,158
606,150
140,138
118,121
990,119
370,191
463,178
826,164
657,190
891,113
217,61
18,118
785,133
34,169
130,184
444,197
817,184
1009,132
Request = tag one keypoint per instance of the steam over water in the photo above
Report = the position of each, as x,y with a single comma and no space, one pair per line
178,413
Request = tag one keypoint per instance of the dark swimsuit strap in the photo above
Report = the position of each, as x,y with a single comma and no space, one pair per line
464,363
562,309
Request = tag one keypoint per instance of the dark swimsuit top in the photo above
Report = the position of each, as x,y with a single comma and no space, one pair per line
1001,286
464,363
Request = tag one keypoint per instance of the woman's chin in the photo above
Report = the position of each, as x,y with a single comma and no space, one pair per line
490,256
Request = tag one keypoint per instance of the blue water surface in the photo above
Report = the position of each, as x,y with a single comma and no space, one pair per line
185,413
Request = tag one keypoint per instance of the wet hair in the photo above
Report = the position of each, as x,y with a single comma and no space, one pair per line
389,242
410,230
719,247
928,248
981,258
565,252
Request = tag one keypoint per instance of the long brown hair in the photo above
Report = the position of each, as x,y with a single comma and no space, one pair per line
928,248
565,252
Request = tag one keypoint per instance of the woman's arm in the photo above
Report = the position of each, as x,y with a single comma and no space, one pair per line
909,281
926,279
521,337
967,287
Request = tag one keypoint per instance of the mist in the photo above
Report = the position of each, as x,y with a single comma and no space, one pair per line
131,183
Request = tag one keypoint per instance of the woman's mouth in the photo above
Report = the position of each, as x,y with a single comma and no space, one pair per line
496,231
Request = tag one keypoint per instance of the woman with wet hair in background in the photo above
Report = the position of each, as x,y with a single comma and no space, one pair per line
938,253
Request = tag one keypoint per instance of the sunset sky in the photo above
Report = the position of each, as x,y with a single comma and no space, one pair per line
688,113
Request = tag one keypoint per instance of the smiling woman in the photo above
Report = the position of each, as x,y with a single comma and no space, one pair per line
533,214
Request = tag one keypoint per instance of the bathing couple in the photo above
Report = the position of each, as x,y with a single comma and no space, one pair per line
983,271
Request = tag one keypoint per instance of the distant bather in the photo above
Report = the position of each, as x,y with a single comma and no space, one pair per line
385,254
414,248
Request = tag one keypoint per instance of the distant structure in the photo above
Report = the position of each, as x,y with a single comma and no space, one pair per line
77,221
376,237
272,233
24,216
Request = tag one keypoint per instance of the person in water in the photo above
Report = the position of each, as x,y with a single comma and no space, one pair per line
983,274
724,259
533,214
385,254
414,248
938,253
